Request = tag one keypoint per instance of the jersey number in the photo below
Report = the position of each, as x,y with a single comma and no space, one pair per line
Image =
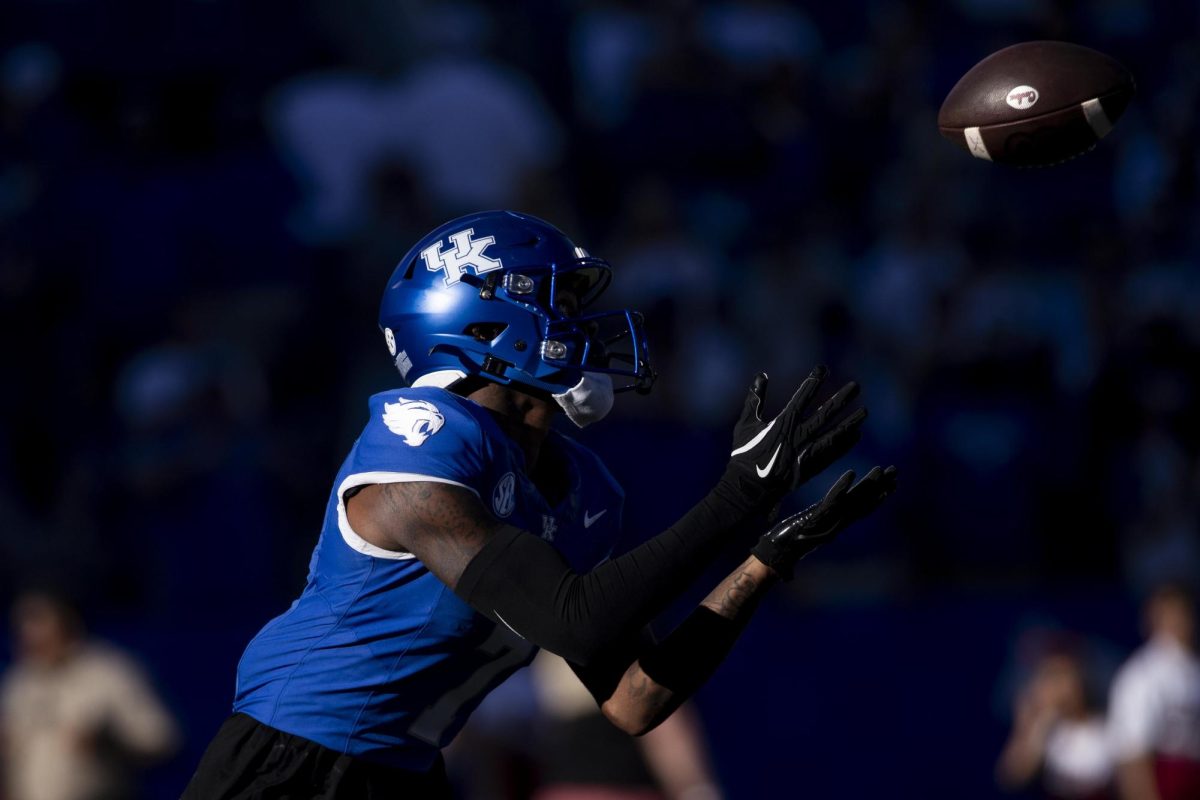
506,652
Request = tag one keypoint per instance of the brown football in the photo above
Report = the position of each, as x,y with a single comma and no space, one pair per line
1036,103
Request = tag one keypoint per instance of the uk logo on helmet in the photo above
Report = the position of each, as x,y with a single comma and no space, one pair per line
414,420
467,252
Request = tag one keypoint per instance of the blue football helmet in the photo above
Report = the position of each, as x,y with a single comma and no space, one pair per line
504,296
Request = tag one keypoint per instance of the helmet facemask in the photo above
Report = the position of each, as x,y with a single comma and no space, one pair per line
572,339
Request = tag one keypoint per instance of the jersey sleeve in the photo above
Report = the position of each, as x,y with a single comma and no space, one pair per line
415,435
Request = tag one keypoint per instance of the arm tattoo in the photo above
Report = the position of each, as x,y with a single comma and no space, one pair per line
653,700
400,497
444,526
736,595
735,599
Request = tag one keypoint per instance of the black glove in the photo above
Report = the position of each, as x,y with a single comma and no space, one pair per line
771,458
798,535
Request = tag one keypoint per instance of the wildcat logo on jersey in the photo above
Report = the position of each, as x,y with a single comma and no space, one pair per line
504,496
467,252
414,420
549,527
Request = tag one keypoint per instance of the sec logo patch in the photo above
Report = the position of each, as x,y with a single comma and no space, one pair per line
504,496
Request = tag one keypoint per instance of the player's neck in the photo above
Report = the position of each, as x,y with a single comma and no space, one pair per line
524,417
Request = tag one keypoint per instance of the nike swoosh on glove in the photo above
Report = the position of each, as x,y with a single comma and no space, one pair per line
771,458
845,503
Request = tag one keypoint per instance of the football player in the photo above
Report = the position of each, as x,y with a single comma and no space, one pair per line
463,532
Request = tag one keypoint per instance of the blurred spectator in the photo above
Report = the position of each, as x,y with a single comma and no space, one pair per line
1155,705
1058,740
77,716
583,757
473,133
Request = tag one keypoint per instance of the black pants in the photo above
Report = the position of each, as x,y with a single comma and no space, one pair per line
251,761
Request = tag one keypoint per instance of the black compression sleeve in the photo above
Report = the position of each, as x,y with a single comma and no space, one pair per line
602,675
681,663
686,659
523,582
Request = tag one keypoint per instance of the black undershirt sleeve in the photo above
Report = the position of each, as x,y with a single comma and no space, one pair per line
522,582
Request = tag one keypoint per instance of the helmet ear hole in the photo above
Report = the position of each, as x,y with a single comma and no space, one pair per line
485,331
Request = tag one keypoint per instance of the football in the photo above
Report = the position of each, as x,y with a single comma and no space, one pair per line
1036,103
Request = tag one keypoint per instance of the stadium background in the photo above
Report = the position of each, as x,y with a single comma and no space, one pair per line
200,202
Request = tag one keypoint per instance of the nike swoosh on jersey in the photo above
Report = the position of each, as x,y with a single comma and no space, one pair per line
765,471
589,519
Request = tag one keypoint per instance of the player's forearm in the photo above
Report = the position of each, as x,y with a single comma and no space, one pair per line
736,597
522,581
670,672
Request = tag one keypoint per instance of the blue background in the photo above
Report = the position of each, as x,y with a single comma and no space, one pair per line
200,202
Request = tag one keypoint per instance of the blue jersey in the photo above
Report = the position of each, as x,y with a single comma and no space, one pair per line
378,658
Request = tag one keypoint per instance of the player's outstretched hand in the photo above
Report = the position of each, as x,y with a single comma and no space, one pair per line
772,457
845,502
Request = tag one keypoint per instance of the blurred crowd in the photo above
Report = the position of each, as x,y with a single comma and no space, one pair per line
200,201
1139,740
